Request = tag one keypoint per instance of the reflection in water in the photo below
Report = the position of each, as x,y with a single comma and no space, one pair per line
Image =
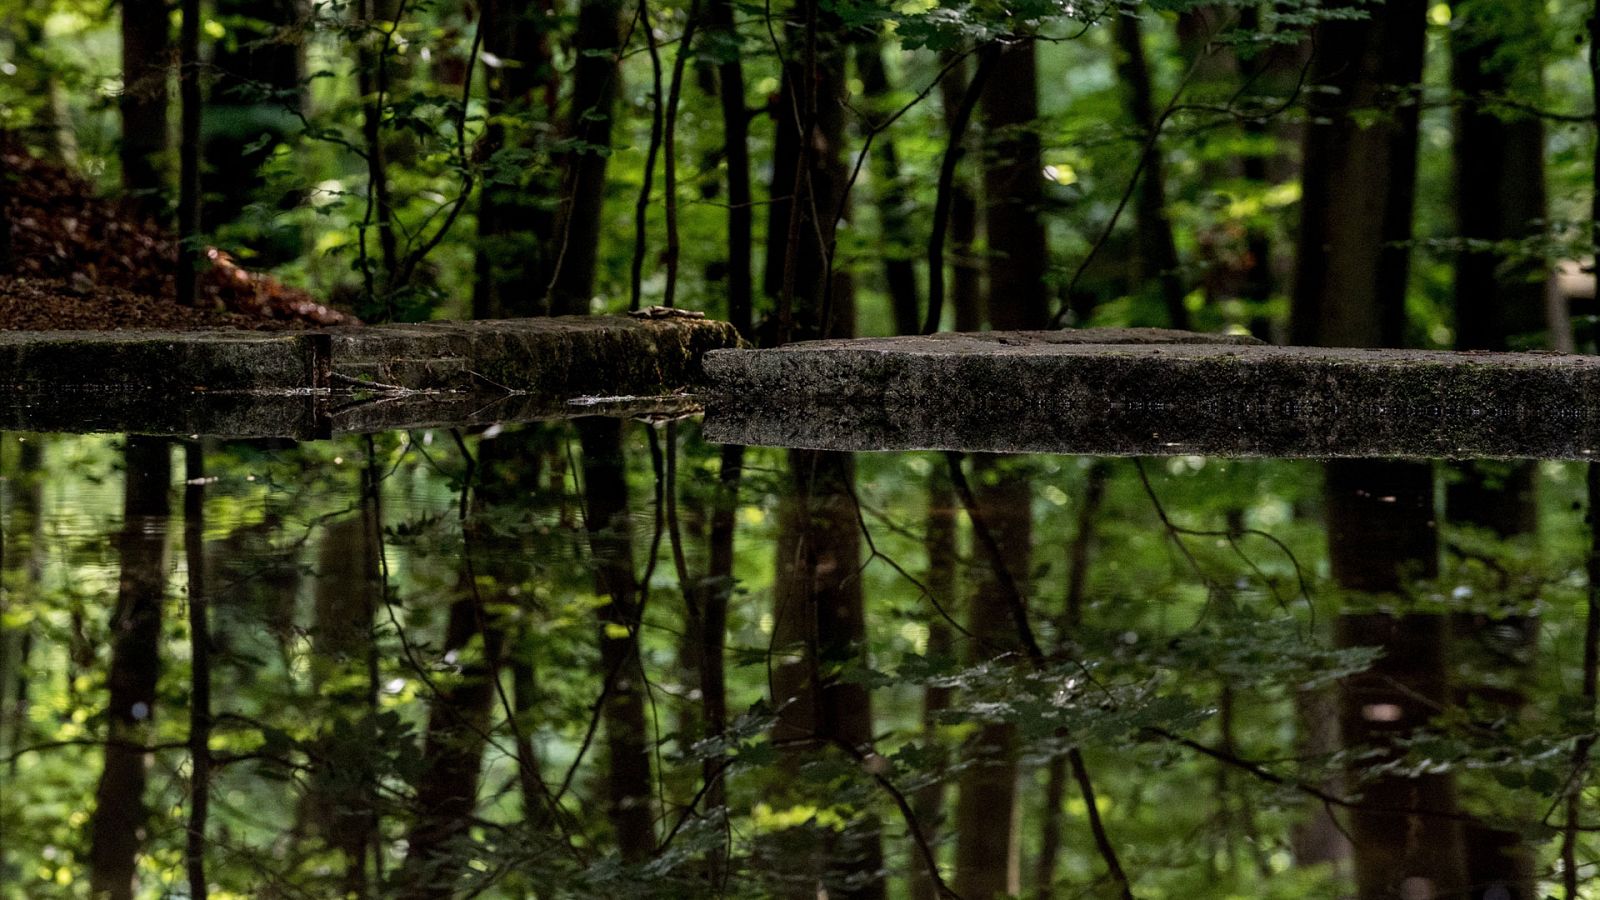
610,659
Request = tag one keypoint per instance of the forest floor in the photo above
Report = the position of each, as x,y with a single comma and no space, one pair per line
83,261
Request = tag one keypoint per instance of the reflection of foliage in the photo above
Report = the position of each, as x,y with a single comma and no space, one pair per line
314,744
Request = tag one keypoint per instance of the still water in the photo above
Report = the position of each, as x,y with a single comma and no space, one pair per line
608,658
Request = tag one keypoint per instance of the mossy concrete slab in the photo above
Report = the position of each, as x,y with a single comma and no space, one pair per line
1033,392
309,383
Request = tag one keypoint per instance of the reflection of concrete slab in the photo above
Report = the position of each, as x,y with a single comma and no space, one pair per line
1038,392
310,383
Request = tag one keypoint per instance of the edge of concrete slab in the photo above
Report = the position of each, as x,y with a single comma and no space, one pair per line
311,383
1156,399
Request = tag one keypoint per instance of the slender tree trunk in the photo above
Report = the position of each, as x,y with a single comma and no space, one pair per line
986,838
1158,252
372,82
736,144
595,85
1019,256
5,205
189,153
118,829
966,269
143,102
894,206
1056,772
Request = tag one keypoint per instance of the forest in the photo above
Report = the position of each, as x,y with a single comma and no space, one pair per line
604,656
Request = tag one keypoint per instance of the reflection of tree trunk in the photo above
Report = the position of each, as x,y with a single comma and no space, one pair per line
1382,533
712,619
1056,772
21,565
118,830
1018,254
940,580
1316,838
452,755
1158,252
339,800
194,557
819,627
611,541
461,715
986,847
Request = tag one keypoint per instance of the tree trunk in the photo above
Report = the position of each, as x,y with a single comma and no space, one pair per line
194,555
118,830
189,255
1354,260
894,206
966,270
986,839
1019,257
595,86
143,102
1158,252
259,84
736,149
1500,197
515,228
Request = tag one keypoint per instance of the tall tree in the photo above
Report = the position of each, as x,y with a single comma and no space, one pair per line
146,36
1158,250
1350,288
818,610
1018,257
893,202
515,224
595,84
120,821
1499,303
188,152
1354,260
256,93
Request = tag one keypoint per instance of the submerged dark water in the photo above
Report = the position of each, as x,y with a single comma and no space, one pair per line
611,659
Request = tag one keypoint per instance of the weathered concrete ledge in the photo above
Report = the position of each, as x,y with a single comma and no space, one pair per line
308,383
1153,394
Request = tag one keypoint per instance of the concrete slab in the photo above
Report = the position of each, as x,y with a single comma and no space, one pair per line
310,383
1034,392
